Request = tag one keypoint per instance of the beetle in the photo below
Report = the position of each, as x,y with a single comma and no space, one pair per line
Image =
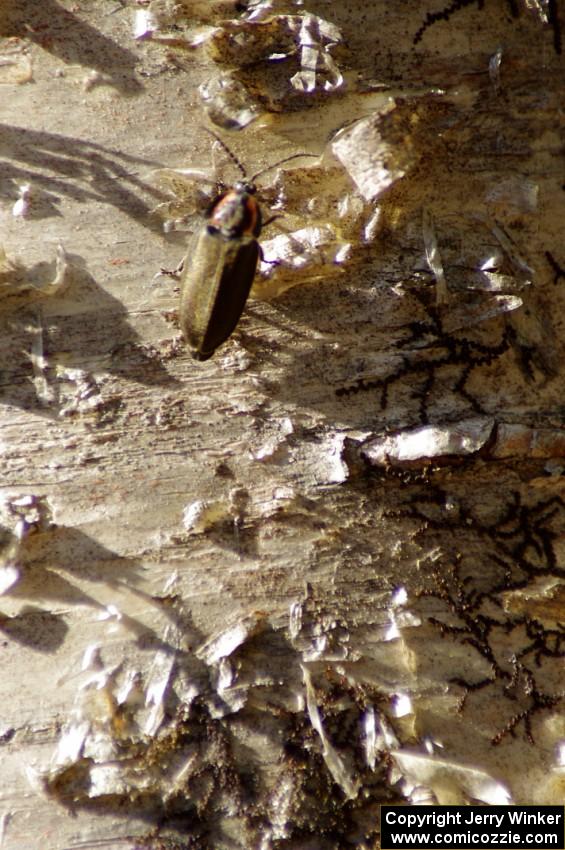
219,268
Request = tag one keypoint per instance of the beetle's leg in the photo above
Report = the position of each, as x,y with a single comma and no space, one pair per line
270,220
262,255
174,273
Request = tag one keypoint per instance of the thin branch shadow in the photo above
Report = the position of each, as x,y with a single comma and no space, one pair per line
65,166
84,328
75,42
58,567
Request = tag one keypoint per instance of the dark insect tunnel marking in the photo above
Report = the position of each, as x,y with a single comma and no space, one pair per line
558,271
545,643
457,352
523,680
432,17
524,535
520,681
524,549
446,13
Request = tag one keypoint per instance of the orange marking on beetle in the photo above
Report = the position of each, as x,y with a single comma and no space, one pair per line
237,212
253,217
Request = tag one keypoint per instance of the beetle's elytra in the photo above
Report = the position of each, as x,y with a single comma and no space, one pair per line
219,270
220,265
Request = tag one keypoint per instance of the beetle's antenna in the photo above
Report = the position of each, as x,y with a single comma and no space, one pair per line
280,162
230,153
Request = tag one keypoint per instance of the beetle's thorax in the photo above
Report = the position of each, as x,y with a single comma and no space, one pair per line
237,212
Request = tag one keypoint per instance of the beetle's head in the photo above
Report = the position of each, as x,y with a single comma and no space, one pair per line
244,187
